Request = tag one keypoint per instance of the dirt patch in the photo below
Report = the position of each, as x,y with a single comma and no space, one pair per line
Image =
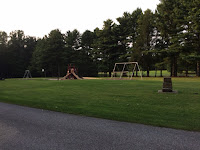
87,78
53,79
90,78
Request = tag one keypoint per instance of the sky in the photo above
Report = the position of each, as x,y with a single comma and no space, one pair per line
38,17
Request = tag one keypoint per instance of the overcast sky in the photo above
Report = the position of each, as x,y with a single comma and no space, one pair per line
39,17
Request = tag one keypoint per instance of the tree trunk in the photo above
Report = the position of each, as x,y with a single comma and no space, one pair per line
136,73
52,74
58,75
198,62
198,69
147,71
110,73
186,72
174,67
171,69
161,73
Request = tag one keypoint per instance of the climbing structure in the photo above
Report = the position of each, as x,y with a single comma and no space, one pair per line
71,73
27,74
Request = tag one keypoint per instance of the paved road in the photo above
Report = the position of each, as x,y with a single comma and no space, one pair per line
23,128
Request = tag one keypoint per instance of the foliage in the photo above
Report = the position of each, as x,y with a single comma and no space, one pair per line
176,24
144,41
15,53
80,52
108,47
127,30
167,39
49,53
3,53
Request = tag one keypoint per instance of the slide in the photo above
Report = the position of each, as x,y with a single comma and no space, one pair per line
77,77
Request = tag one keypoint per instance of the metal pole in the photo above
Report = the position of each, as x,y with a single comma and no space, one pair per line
113,71
123,71
139,70
133,71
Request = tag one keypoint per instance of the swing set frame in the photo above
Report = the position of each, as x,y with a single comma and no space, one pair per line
125,71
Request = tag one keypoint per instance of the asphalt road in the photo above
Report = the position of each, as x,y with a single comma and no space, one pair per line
23,128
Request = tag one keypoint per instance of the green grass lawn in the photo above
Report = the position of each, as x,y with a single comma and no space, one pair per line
153,73
124,100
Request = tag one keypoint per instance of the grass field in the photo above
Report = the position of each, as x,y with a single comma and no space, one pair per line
124,100
153,73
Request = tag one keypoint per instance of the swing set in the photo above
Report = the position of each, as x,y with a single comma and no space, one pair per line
124,67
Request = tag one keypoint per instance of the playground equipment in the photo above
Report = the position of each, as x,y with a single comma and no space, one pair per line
27,74
125,69
71,73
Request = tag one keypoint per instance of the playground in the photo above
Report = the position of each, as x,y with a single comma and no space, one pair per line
134,100
72,73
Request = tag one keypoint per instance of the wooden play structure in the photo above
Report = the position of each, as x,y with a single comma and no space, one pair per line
72,72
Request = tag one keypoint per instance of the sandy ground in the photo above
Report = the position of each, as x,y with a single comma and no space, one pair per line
87,78
91,78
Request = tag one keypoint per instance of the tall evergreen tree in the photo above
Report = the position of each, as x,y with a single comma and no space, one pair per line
87,41
16,44
40,58
144,40
56,50
127,30
72,45
50,53
193,19
172,25
107,47
3,54
86,61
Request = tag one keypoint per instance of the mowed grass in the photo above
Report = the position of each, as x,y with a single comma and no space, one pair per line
135,100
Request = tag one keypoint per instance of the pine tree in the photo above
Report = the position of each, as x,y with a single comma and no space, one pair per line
171,24
143,46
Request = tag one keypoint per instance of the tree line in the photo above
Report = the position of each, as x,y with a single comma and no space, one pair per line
168,38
